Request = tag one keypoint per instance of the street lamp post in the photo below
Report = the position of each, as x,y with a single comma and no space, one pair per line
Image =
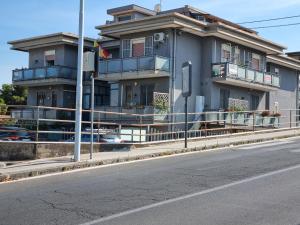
79,84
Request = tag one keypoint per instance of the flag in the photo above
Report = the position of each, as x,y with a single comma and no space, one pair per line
103,53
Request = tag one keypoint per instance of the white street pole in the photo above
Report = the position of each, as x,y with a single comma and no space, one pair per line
92,114
79,84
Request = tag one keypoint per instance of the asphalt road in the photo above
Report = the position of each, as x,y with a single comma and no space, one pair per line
256,184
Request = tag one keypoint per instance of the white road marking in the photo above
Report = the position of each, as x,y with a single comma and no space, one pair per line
247,180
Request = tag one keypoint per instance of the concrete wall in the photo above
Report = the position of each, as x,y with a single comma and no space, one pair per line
65,55
37,56
188,48
10,151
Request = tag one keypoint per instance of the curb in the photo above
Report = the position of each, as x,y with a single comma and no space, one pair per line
88,164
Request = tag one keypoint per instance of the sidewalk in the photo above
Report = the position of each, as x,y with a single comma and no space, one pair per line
23,169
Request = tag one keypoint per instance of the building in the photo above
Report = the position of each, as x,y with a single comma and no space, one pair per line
233,67
51,73
231,63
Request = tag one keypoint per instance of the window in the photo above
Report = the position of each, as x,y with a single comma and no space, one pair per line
128,95
149,46
224,98
126,46
237,56
254,102
124,18
146,97
54,99
49,58
226,53
255,63
137,47
40,98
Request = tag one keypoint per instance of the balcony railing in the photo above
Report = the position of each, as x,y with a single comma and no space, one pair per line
229,70
44,73
156,63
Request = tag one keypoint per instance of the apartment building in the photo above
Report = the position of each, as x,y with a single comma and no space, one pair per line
147,48
51,73
230,62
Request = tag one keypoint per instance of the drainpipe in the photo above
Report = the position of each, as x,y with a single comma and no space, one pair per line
173,76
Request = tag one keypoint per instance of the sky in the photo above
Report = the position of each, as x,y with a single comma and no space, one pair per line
27,18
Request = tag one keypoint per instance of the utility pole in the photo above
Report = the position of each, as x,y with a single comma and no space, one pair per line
79,84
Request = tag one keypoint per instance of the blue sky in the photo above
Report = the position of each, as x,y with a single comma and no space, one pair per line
21,19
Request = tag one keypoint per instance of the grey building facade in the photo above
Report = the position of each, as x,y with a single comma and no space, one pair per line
51,73
229,61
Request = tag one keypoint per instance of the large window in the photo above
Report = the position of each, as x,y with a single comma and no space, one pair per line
255,63
149,46
124,18
126,46
147,95
226,53
137,47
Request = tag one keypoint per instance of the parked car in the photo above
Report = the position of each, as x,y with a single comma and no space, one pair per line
110,139
15,134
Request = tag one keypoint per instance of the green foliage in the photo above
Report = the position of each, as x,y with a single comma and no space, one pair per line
13,95
161,105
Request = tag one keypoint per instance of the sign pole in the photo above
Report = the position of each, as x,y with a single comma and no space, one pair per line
186,122
186,92
79,85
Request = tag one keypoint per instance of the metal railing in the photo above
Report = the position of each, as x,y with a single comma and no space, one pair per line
134,64
52,124
239,72
42,73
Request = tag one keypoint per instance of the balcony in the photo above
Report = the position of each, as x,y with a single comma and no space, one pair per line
44,76
134,68
232,74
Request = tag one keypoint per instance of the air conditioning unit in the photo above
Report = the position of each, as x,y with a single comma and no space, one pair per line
159,37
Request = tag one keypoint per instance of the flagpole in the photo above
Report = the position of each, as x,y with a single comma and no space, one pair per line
79,84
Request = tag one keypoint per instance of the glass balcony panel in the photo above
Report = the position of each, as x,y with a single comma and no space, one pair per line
103,67
250,75
232,70
146,63
17,75
162,64
53,72
67,73
268,78
276,81
28,74
130,64
259,77
241,72
40,73
114,66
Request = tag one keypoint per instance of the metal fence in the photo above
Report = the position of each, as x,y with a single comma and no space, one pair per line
52,124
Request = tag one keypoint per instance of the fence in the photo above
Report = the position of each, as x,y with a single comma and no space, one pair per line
39,123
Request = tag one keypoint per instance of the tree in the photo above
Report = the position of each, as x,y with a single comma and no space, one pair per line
13,95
